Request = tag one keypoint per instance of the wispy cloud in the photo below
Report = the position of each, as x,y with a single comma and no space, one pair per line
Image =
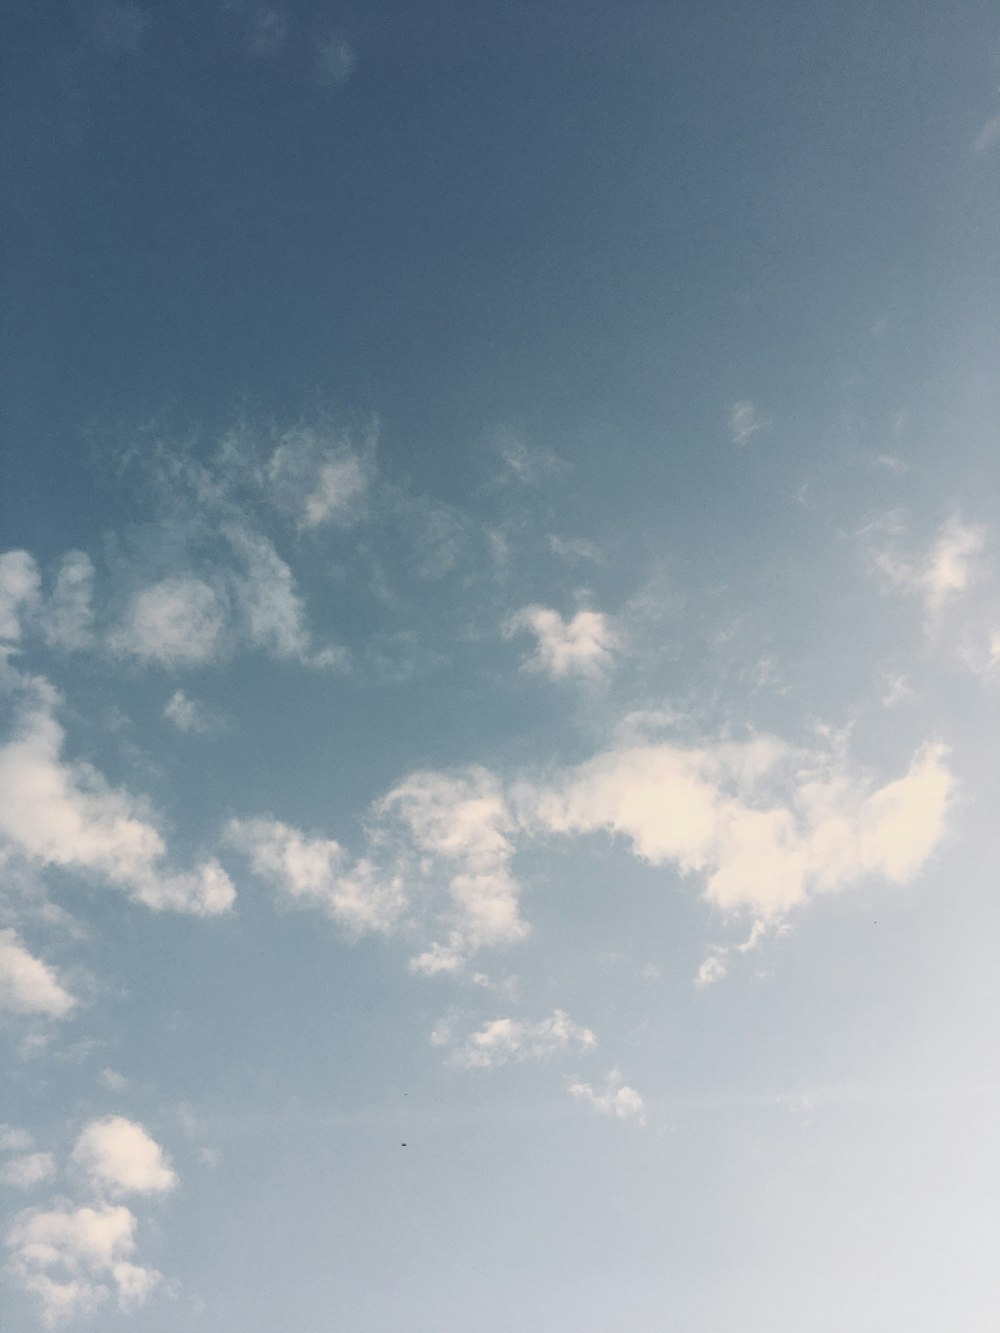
945,571
988,137
335,62
27,984
745,421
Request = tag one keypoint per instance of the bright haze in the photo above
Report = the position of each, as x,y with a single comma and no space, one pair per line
500,667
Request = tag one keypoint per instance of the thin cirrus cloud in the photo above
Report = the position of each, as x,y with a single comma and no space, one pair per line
60,813
74,1255
745,421
583,646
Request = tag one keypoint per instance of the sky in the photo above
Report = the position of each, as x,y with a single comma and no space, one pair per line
499,667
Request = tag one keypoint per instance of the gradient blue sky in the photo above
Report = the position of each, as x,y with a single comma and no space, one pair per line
500,652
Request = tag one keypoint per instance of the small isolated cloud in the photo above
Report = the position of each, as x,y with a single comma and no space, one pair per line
583,646
944,572
575,549
19,585
315,872
988,137
118,1157
614,1099
745,422
335,62
28,985
55,812
25,1173
714,968
69,613
521,462
73,1259
113,1080
178,622
186,714
898,691
510,1040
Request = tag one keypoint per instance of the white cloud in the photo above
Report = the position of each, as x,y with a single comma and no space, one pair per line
615,1099
897,691
69,613
335,61
462,822
19,584
575,549
988,137
58,813
510,1040
273,611
714,968
178,622
944,572
14,1139
113,1080
118,1157
583,646
745,422
320,478
763,825
186,714
24,1173
315,872
27,985
72,1259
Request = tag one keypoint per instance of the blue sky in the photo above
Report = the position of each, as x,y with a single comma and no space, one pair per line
500,641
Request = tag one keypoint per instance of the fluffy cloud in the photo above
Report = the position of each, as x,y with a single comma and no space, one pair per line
763,825
583,646
118,1157
24,1173
72,1259
178,622
510,1040
315,872
27,985
463,825
614,1099
19,584
58,813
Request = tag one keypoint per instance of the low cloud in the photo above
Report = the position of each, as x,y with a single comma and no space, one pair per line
19,585
583,646
118,1157
178,622
510,1040
943,573
27,984
60,813
29,1171
73,1256
616,1098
